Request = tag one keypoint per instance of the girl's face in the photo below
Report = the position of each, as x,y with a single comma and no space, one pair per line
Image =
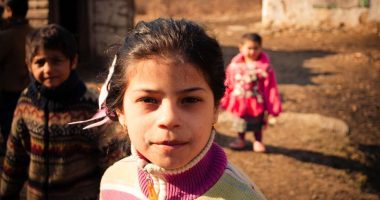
168,111
250,49
51,67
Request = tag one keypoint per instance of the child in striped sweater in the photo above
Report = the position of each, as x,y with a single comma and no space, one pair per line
57,160
164,88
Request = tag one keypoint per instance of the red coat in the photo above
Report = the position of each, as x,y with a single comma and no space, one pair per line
251,90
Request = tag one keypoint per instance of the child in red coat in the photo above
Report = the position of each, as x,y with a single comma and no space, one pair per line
251,90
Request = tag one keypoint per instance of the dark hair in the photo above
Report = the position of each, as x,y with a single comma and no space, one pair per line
252,37
52,37
19,7
168,38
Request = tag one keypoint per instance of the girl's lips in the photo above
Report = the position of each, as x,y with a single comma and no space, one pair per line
169,145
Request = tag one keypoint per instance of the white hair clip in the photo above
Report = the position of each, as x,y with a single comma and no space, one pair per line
103,111
104,89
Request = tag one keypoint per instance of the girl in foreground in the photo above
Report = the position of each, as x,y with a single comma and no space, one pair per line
164,88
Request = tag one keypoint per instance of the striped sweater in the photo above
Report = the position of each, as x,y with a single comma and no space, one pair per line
57,160
209,176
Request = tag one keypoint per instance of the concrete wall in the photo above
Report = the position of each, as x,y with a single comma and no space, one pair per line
319,13
109,22
38,12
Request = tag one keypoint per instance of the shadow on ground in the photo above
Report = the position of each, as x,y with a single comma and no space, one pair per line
371,184
372,153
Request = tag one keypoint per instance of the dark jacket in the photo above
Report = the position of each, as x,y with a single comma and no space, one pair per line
57,159
13,70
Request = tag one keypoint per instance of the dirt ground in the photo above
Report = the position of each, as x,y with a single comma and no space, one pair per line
326,144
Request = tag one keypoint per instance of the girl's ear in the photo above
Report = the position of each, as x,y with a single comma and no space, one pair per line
120,117
74,62
216,115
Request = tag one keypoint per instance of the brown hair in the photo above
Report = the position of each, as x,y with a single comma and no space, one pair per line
168,38
52,37
252,37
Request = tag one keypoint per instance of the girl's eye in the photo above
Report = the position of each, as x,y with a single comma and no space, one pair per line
190,100
148,100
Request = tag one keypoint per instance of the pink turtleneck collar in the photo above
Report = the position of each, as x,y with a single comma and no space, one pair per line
190,181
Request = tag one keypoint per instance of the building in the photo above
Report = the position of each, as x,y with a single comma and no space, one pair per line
95,23
320,13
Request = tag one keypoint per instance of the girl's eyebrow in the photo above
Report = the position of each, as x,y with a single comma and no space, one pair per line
187,90
193,89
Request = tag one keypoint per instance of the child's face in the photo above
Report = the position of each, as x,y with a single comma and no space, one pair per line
250,49
51,68
168,110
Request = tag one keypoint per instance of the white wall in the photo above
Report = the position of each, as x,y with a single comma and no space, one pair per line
109,22
314,13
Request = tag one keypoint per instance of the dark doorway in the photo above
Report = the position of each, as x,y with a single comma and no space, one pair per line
73,15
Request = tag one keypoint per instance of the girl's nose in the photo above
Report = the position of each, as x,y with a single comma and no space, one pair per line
169,115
